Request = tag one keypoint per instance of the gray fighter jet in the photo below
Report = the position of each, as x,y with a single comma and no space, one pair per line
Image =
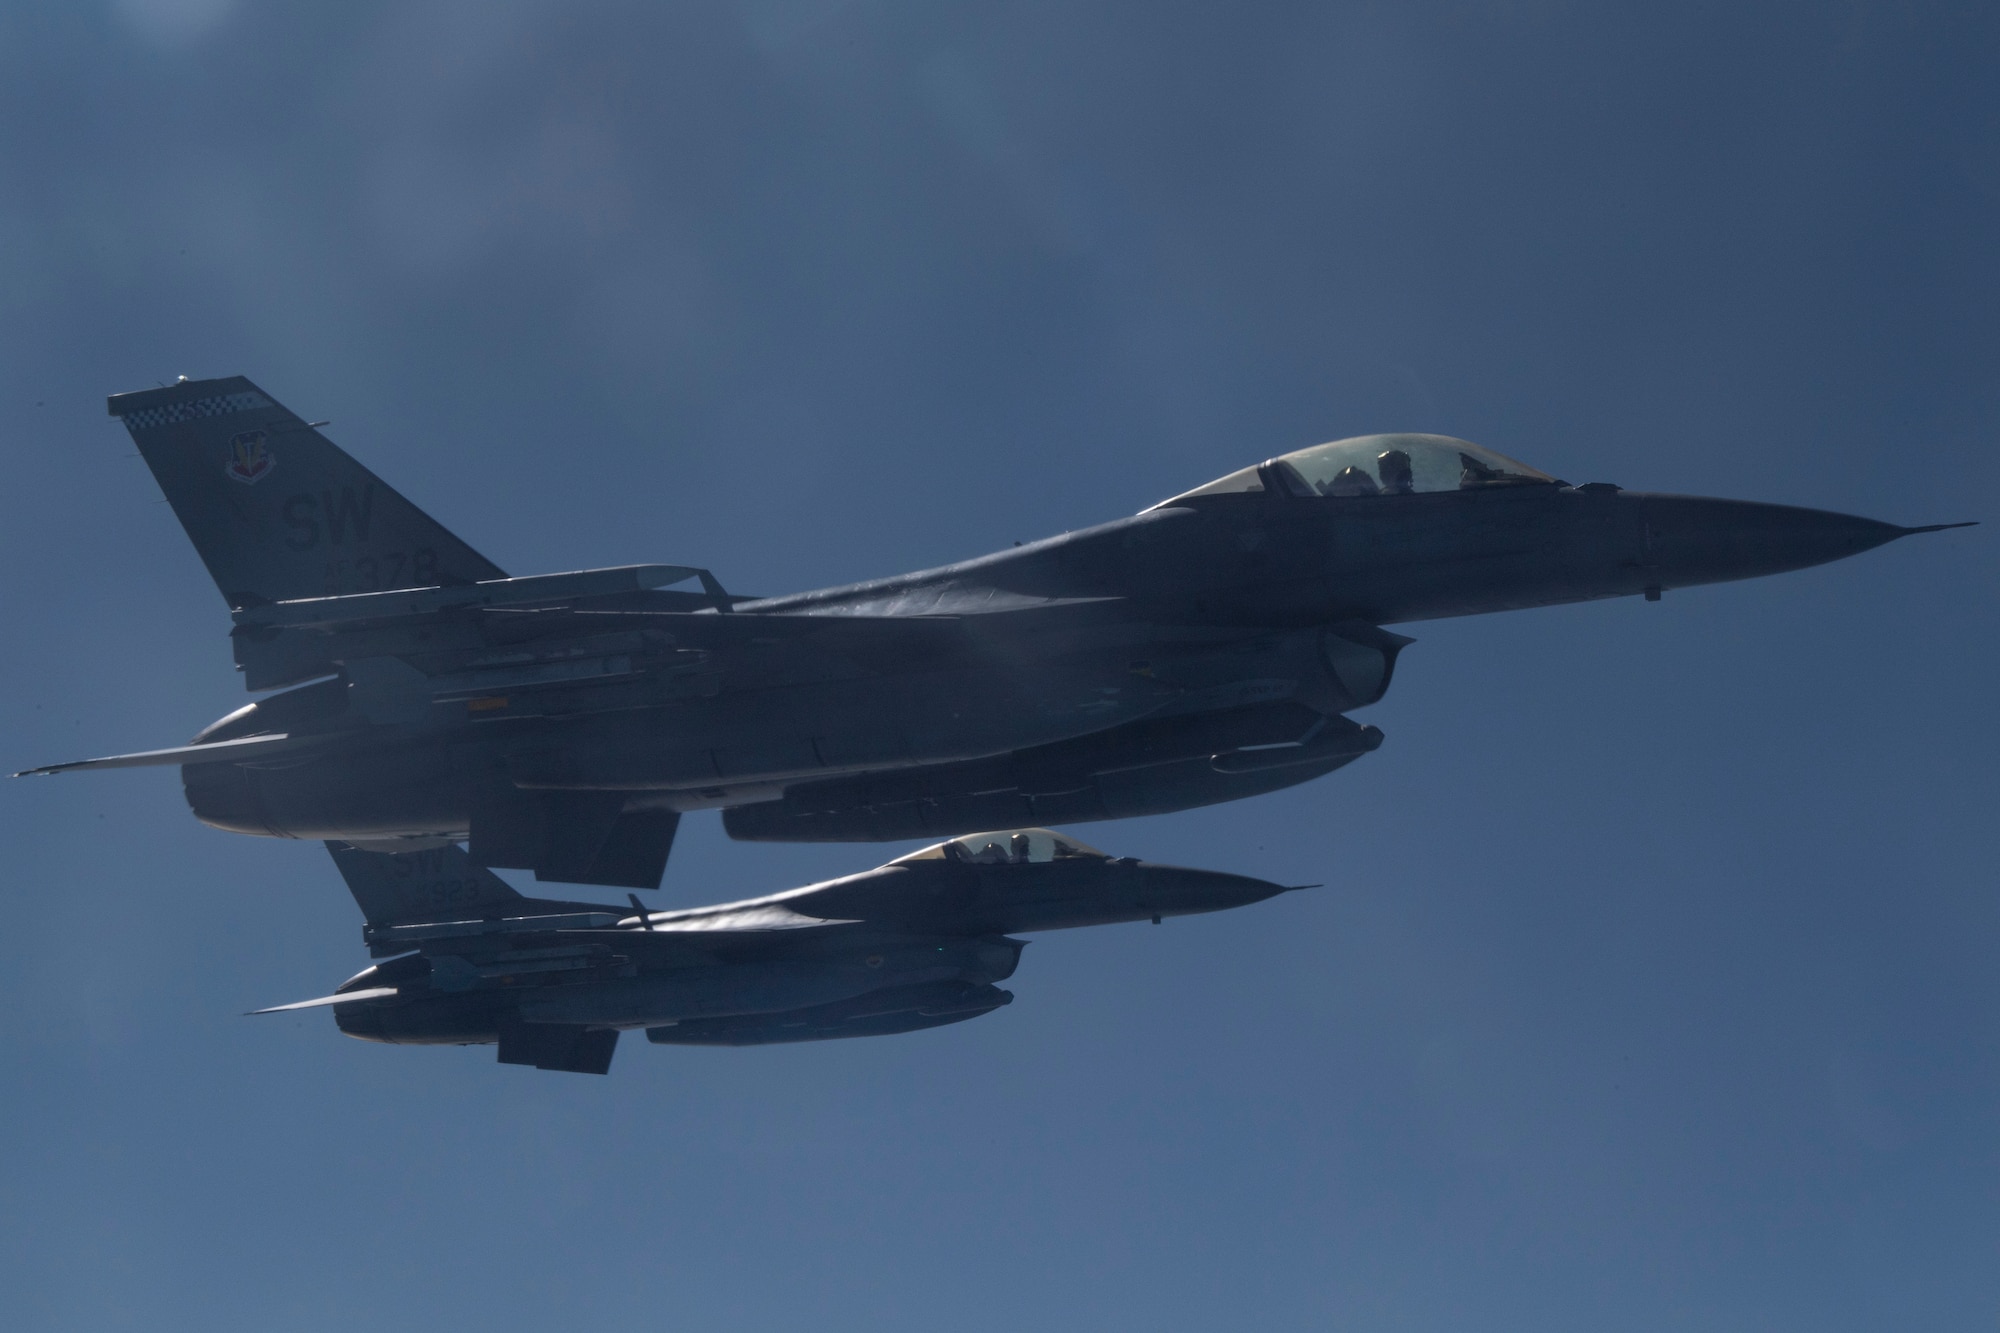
1207,649
916,943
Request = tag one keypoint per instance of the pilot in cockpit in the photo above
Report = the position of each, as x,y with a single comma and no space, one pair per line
1349,481
1397,476
1370,465
1474,472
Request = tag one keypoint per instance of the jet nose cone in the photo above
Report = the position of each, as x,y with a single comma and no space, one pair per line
1691,540
1206,890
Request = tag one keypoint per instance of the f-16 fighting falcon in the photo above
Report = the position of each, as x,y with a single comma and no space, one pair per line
916,943
1206,649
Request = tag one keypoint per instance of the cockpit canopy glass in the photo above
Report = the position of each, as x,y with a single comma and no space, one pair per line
1024,846
1383,465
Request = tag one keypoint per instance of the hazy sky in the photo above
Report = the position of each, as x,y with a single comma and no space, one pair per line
1653,985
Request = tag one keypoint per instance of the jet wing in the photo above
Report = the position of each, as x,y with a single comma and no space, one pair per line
937,600
926,616
240,750
458,640
345,997
731,918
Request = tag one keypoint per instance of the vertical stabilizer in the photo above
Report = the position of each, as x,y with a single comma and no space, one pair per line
276,510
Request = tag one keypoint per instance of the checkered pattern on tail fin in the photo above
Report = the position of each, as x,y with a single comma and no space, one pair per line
276,510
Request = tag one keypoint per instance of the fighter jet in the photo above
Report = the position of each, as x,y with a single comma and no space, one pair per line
916,943
1208,648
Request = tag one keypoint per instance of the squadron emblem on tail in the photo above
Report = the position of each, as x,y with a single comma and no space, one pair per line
249,461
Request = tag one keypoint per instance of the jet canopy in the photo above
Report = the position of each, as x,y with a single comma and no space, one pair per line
1022,846
1376,465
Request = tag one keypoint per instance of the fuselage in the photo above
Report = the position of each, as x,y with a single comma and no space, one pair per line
915,943
1210,648
1211,607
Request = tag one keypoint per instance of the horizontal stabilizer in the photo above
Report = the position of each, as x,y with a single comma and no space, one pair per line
565,1047
242,750
346,997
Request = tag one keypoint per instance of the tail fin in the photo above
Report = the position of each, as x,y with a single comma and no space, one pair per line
274,508
419,886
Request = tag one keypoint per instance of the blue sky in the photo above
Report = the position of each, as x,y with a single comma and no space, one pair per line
1652,985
